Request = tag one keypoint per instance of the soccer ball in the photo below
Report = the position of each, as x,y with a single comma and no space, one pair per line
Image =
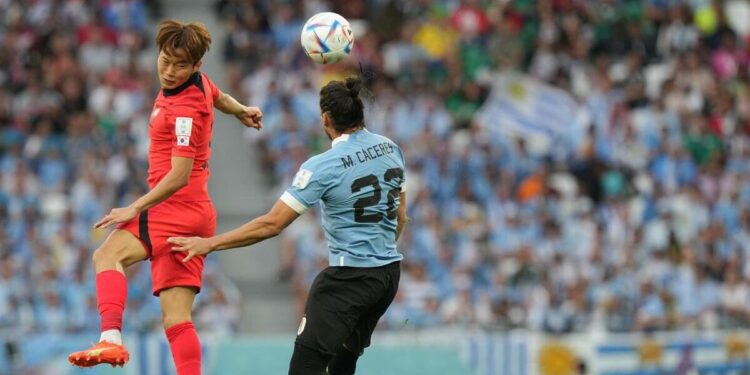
327,38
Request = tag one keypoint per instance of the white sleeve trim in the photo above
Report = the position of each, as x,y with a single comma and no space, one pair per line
293,203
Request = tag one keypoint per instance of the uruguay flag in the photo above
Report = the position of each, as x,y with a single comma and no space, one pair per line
519,105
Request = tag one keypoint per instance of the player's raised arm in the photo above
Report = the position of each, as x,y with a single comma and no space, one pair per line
177,178
258,229
308,187
252,117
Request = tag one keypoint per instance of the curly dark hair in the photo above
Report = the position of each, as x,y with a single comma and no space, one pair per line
342,102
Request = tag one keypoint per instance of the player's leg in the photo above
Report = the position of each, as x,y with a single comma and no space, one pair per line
176,307
338,298
329,319
310,356
308,361
120,250
345,360
175,282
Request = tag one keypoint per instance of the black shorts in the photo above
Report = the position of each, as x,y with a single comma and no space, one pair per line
344,306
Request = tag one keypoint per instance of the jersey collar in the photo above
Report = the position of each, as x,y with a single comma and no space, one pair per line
195,79
341,138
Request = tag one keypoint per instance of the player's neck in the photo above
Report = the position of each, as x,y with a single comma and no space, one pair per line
351,130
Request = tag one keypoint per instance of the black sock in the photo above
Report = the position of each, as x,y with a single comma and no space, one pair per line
306,361
344,362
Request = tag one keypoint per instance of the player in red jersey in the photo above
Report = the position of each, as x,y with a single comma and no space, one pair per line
177,205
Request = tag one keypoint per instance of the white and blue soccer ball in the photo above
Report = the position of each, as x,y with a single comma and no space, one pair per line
327,38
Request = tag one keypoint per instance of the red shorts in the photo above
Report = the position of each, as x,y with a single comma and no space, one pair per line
170,219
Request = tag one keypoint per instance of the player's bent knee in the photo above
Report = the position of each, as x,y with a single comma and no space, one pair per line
119,248
107,257
99,256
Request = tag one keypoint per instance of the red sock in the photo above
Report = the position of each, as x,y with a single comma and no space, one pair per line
186,348
111,294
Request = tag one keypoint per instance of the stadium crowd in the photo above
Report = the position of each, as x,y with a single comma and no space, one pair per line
639,220
77,83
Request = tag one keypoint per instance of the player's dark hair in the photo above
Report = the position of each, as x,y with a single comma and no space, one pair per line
342,102
193,37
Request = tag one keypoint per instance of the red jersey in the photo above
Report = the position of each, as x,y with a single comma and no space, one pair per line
181,125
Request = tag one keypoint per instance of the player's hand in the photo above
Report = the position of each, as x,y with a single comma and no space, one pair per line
251,117
116,216
194,246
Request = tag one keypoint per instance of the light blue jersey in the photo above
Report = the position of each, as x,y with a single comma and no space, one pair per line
358,181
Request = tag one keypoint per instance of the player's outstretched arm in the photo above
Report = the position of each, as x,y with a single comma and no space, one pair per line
259,229
175,179
252,117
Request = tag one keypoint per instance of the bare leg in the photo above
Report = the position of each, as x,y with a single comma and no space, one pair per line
176,307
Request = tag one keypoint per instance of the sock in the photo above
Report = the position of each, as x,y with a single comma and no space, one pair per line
186,348
111,335
111,294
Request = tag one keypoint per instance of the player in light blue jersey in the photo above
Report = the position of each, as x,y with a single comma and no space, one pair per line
359,182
